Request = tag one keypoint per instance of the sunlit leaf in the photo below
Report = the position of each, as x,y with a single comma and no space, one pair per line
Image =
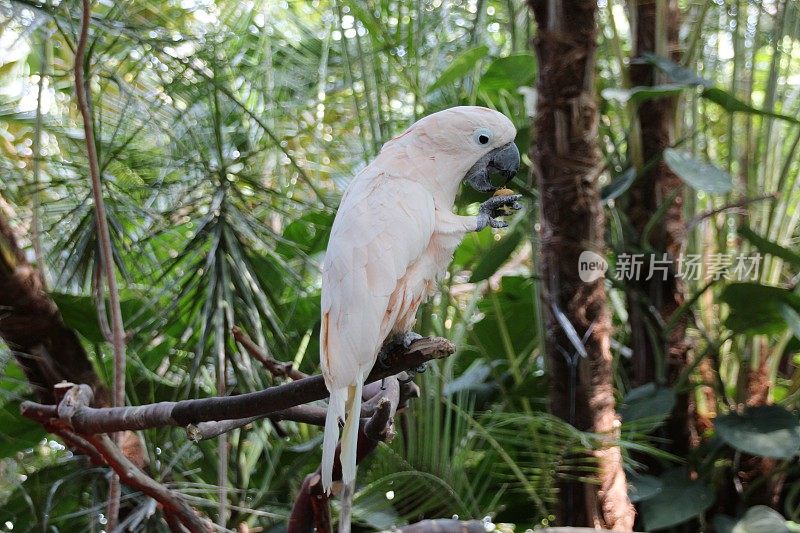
18,433
762,519
510,72
459,67
637,95
698,174
498,254
770,247
732,104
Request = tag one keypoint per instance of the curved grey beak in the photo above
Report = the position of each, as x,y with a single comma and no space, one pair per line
503,160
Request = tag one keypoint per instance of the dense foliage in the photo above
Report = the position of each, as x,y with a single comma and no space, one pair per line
226,133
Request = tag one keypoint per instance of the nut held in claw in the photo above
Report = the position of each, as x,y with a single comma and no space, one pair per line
506,209
503,192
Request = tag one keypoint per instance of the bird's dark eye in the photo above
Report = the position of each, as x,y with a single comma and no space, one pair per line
482,136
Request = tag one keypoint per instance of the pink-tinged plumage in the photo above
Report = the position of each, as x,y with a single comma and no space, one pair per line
393,238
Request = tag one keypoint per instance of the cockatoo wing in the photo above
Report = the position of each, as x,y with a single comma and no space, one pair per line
384,225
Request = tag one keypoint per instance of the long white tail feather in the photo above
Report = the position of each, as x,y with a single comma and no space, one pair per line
350,434
336,410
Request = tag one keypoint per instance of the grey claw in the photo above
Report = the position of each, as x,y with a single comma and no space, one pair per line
495,207
409,337
493,222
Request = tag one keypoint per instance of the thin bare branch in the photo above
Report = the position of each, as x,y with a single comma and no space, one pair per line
138,480
102,451
744,202
276,368
104,238
307,414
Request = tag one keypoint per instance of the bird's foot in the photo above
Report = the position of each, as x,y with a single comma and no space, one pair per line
410,377
413,373
408,338
382,355
497,206
403,339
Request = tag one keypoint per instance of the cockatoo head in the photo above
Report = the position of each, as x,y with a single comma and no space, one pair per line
466,143
444,149
488,138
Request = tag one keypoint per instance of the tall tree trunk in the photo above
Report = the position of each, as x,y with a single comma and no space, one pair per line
30,324
567,164
657,33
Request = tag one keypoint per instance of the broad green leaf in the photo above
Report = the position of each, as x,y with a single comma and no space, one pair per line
18,433
732,104
309,233
496,256
761,519
675,71
460,67
770,247
636,95
509,310
755,308
698,174
473,377
679,500
80,314
508,73
723,523
643,487
791,317
768,431
649,403
721,97
618,185
472,249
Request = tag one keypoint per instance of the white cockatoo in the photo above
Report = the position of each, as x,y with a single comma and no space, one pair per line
393,238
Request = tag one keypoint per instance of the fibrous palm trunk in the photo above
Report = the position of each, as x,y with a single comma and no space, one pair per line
567,165
656,32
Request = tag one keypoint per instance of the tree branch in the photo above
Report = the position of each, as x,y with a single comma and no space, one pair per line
734,205
133,477
102,451
103,234
307,414
85,419
79,424
276,368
